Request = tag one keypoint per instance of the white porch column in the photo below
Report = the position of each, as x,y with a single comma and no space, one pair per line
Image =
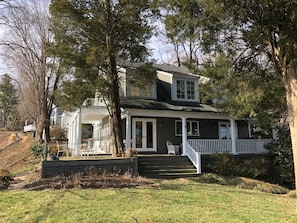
56,116
69,135
184,134
62,120
73,129
78,131
128,130
233,136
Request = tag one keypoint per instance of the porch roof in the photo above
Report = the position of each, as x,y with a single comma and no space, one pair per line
139,103
93,114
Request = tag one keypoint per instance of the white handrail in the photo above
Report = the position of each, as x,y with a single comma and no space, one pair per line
195,157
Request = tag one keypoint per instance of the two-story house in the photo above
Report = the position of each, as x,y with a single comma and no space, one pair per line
166,109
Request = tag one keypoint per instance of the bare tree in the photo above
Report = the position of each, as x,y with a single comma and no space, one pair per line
26,49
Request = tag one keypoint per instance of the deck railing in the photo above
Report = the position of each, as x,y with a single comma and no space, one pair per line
209,146
194,156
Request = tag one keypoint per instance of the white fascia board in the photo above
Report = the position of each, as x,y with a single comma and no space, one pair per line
177,114
165,73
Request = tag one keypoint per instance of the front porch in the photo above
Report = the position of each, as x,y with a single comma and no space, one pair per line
203,146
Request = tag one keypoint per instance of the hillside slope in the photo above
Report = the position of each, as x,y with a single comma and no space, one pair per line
13,150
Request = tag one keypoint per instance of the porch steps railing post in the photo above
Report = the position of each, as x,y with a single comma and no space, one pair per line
194,157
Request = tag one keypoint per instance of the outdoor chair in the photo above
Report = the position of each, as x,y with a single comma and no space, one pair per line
62,150
172,149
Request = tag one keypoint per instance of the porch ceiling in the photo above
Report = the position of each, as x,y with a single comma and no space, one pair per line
92,114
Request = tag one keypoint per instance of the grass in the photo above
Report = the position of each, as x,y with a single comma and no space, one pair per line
167,201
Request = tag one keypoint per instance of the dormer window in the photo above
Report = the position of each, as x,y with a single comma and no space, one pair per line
186,90
143,91
147,90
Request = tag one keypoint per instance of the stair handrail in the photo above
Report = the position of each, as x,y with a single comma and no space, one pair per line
194,157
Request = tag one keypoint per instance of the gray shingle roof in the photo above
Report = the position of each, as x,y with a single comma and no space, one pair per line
139,103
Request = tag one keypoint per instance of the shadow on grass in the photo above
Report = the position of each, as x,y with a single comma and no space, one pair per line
47,208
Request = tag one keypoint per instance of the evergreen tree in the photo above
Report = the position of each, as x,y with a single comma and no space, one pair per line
266,31
91,37
8,99
246,92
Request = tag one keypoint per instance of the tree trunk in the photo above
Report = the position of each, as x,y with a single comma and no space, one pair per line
290,82
115,110
114,99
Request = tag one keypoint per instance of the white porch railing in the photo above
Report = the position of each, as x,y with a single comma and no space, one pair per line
209,146
251,145
84,149
194,156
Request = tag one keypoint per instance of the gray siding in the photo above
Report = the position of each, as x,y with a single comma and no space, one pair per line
166,131
243,131
208,129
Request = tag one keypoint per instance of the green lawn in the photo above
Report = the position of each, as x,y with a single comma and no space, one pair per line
169,201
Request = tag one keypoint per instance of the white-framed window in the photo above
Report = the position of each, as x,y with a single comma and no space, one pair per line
186,90
192,128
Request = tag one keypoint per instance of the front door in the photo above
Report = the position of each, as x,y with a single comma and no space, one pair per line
224,130
144,135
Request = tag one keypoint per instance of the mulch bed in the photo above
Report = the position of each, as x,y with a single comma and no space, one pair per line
83,182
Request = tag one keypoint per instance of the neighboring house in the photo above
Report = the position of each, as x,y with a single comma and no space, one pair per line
166,109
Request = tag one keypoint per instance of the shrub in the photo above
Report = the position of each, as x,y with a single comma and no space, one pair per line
229,165
5,179
256,167
222,164
281,155
38,150
58,133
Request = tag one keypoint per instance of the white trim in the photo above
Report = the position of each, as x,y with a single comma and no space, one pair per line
177,114
190,124
184,135
228,129
128,130
233,135
165,73
174,89
144,134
